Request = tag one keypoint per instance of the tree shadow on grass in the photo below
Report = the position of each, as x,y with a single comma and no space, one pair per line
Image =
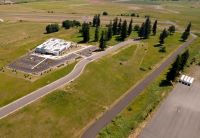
138,39
81,42
158,45
98,50
181,40
164,83
119,39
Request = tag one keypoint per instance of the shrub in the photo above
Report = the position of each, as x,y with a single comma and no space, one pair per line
105,13
51,28
67,24
136,27
133,14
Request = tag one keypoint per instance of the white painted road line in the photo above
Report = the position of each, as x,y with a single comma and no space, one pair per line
38,63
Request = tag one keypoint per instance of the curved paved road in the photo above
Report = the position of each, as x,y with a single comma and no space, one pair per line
20,103
94,129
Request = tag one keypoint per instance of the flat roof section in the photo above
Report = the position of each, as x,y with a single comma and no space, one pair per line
53,45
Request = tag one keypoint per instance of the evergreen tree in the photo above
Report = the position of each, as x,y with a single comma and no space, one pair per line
119,27
188,27
86,32
114,29
185,36
186,33
147,28
109,32
174,70
172,29
96,37
163,35
130,27
154,29
102,42
124,31
94,22
141,31
184,59
98,20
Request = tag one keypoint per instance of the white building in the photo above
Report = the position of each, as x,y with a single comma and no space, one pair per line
53,46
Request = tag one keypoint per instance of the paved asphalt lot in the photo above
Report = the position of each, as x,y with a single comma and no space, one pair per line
178,116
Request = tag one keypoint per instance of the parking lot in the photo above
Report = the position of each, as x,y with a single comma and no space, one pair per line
178,116
35,64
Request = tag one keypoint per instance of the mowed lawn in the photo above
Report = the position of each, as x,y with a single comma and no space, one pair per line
65,112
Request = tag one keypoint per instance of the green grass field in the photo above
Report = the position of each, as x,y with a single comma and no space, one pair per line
13,88
30,35
174,11
68,110
129,119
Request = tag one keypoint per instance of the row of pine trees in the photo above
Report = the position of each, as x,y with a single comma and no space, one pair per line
123,29
119,28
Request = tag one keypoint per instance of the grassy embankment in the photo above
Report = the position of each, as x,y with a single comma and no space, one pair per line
68,110
129,119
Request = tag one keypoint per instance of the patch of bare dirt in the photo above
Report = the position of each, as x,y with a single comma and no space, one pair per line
162,9
134,7
195,72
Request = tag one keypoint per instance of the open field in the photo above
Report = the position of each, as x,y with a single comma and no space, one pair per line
176,12
95,93
30,34
67,111
128,121
13,88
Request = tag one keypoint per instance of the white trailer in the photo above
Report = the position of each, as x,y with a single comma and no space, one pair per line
188,81
191,81
185,80
182,78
